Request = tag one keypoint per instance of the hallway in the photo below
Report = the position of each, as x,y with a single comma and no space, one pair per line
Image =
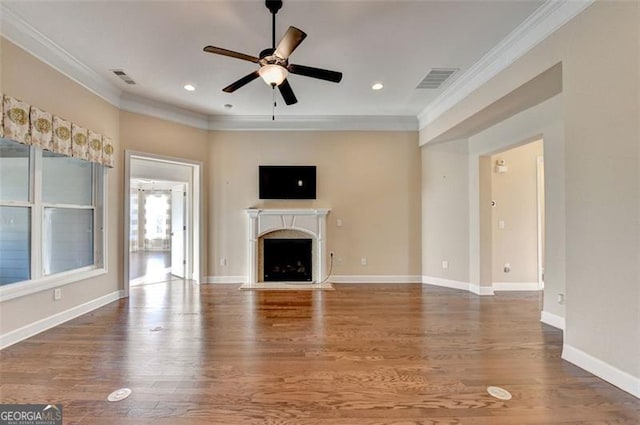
149,267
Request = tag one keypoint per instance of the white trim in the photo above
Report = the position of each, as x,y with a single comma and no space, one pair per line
163,111
315,123
35,328
19,32
549,17
456,284
374,279
225,280
480,290
552,320
516,286
152,108
609,373
21,289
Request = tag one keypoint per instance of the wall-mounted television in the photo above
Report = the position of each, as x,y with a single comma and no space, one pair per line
287,182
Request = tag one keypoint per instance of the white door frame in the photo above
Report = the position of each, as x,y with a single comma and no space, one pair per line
194,252
540,217
179,209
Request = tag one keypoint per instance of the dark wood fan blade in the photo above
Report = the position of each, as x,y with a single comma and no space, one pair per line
291,39
322,74
287,93
241,82
230,53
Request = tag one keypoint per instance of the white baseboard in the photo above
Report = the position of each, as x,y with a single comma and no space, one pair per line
456,284
374,279
220,280
516,286
35,328
480,290
552,320
612,375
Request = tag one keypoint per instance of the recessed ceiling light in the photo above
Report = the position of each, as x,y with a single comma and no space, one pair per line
377,86
189,87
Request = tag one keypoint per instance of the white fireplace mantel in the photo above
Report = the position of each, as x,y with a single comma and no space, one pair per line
312,221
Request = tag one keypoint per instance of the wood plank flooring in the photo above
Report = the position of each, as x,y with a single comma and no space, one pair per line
362,354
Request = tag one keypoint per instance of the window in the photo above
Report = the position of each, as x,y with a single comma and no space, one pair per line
51,216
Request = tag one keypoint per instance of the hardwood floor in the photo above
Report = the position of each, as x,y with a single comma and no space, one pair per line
149,267
362,354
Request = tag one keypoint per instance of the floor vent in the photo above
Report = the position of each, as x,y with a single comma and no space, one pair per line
436,78
123,76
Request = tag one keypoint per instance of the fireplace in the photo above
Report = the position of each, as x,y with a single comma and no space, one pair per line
293,225
287,260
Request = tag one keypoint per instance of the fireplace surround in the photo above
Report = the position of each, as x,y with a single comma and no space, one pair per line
294,224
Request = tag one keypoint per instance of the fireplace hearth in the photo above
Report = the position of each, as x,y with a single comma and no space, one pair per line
288,260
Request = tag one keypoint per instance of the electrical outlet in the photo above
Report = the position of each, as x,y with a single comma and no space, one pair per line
340,261
445,264
501,224
363,261
331,253
560,298
223,261
507,267
339,222
57,294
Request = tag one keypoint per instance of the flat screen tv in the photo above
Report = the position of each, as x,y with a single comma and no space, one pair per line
287,182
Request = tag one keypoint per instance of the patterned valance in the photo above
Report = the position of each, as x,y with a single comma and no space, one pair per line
29,125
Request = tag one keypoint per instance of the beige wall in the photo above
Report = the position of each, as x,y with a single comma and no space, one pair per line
445,211
369,180
602,174
28,79
515,193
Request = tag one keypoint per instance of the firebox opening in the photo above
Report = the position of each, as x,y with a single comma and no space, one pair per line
287,260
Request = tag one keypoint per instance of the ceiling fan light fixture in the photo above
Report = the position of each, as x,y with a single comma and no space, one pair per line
273,74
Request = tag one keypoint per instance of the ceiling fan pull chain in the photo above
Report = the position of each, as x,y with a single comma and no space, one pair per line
273,107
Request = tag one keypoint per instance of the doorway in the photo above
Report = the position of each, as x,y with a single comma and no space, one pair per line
163,219
513,221
156,228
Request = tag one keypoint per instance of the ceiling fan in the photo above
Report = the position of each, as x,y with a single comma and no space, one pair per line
274,61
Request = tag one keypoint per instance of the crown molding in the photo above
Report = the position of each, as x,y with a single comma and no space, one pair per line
164,111
19,32
314,123
157,109
549,17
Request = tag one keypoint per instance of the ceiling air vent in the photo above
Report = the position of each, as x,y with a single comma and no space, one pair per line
123,76
436,78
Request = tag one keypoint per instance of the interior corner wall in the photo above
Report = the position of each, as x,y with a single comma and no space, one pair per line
601,169
369,180
27,78
445,205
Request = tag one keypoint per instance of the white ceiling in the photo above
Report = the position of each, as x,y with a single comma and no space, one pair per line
159,44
